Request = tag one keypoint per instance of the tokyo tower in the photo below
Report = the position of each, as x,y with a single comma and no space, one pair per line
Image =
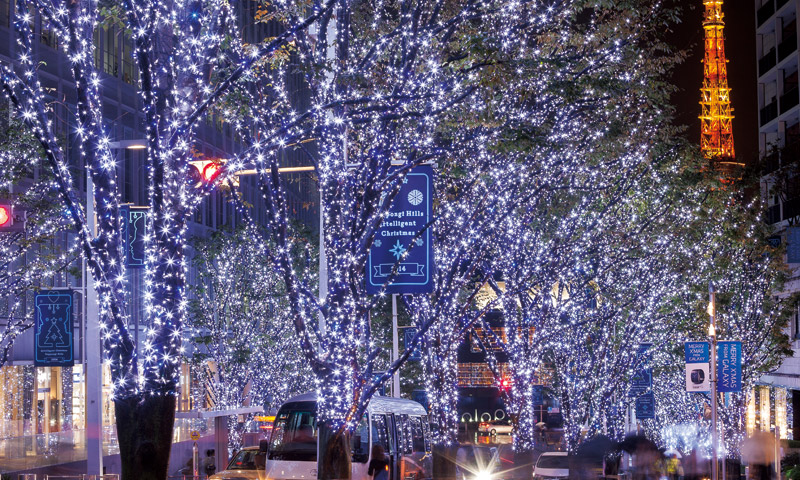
716,135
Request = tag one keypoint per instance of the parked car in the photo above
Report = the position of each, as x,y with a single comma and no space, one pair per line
495,427
247,464
551,465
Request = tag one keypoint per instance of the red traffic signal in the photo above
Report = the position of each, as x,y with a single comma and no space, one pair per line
206,171
211,172
10,220
6,219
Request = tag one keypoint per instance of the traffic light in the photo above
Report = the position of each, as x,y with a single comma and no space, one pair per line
11,220
207,171
5,216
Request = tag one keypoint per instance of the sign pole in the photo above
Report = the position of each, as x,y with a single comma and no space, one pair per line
93,373
712,333
395,348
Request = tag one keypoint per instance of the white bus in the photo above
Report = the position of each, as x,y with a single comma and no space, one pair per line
400,426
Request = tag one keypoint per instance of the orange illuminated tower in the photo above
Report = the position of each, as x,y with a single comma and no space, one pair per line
716,136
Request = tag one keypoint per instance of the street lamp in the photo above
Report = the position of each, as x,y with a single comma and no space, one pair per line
712,334
93,375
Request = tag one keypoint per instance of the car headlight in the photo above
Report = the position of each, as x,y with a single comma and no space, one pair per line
484,475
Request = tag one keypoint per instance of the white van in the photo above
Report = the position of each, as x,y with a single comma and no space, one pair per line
399,425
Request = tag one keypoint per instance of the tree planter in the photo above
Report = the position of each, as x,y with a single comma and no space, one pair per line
144,430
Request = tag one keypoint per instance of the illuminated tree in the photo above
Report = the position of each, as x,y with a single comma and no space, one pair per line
383,78
188,55
244,348
30,258
591,155
747,274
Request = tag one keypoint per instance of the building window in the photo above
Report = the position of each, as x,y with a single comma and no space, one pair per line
110,49
130,73
479,375
796,321
5,13
48,36
480,336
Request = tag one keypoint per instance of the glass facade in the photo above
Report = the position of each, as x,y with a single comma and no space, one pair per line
44,400
769,408
43,415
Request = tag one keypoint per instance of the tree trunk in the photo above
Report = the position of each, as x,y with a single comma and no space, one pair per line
334,453
444,462
144,430
524,441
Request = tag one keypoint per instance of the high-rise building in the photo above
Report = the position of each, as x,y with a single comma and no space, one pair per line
778,393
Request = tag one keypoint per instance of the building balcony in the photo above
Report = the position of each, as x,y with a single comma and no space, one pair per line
766,62
768,113
790,154
766,11
787,47
791,208
773,214
788,100
770,163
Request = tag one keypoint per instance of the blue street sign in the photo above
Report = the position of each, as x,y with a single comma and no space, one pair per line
408,337
642,379
134,229
537,394
53,343
729,366
403,241
646,406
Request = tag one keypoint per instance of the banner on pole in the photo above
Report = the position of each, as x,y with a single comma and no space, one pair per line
646,406
401,256
642,379
53,342
134,232
408,337
697,358
729,366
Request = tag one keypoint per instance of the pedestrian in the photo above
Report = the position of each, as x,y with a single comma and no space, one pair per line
210,462
379,465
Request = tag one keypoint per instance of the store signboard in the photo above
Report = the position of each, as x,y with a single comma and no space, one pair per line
53,328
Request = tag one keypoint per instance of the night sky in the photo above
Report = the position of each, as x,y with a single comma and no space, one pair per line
740,46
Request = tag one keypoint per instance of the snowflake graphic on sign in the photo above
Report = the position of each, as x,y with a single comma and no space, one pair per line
398,249
415,197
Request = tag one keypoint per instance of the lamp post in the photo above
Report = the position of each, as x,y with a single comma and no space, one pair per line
94,355
712,334
94,371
